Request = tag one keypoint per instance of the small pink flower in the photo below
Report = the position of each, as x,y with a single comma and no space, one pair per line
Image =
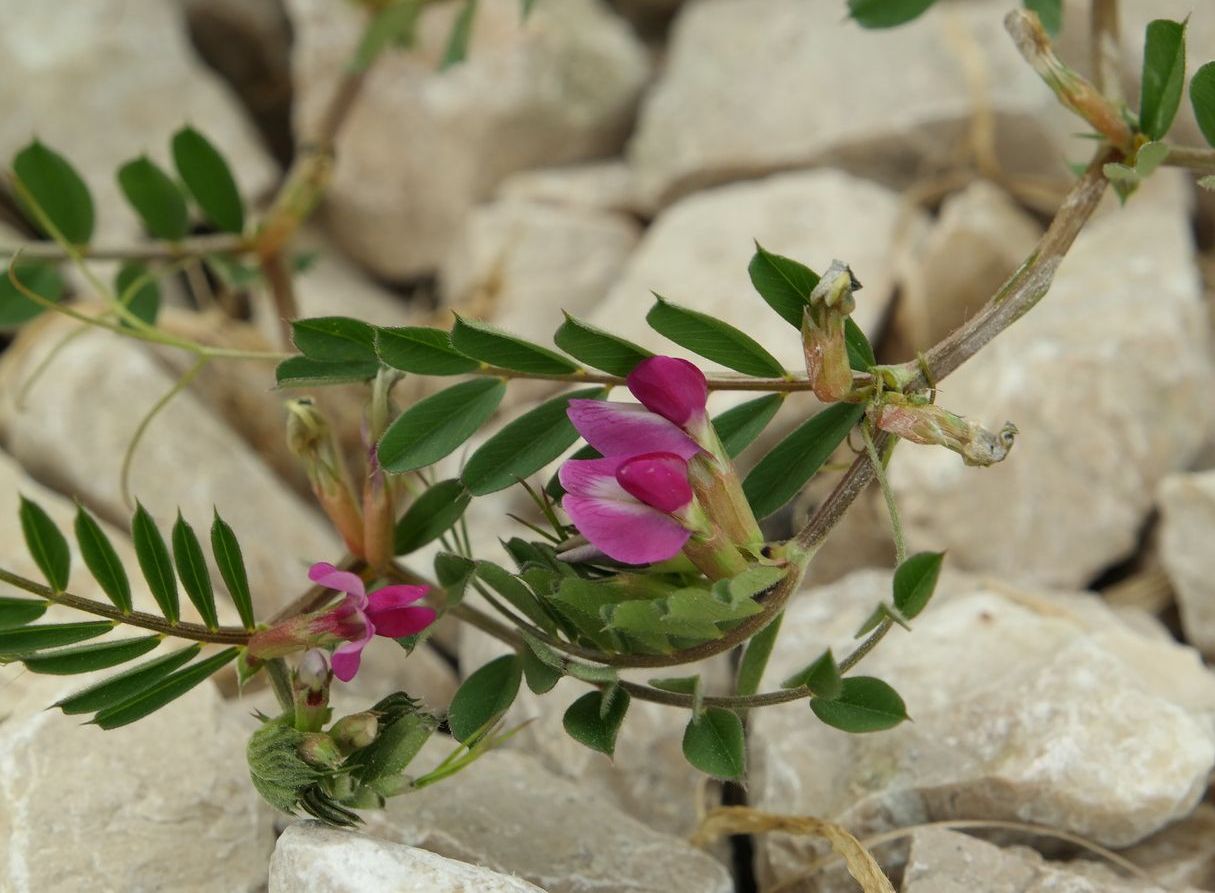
388,611
630,507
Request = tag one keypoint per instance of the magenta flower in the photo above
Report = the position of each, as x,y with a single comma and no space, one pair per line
632,508
388,611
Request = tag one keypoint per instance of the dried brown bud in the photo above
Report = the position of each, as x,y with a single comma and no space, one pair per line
931,425
823,340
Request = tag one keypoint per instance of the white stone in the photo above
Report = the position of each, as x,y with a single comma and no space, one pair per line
1181,854
507,813
696,254
79,417
520,264
310,856
1187,525
164,805
113,80
1043,708
980,238
950,862
594,186
1107,381
753,86
423,146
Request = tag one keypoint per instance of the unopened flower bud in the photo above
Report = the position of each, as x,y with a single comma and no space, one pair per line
823,341
318,749
313,442
355,731
931,425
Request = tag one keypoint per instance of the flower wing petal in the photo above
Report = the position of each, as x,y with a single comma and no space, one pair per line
626,429
626,530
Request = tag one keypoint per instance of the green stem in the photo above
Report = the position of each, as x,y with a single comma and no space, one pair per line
879,472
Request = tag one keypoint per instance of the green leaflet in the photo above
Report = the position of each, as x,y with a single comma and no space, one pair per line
208,179
864,704
484,697
58,191
156,198
524,446
434,427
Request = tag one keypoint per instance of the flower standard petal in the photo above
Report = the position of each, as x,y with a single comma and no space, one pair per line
625,429
625,529
657,479
673,388
325,574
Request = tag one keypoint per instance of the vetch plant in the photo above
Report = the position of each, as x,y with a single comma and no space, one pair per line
647,548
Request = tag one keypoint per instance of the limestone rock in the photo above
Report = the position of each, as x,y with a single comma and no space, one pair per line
423,146
310,856
80,416
594,186
949,862
1026,706
1106,379
164,805
888,103
1181,854
1187,511
980,238
520,264
116,79
696,254
507,813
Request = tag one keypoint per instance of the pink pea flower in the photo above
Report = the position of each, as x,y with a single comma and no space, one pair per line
635,509
388,611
